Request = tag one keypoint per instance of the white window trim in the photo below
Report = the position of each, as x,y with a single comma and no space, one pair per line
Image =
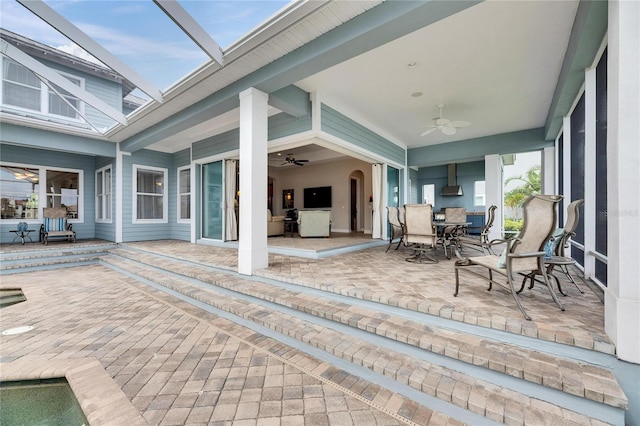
134,201
45,193
110,207
484,194
44,99
180,194
42,192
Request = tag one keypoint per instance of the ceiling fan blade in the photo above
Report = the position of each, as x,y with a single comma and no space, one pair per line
297,163
428,131
302,161
459,124
447,130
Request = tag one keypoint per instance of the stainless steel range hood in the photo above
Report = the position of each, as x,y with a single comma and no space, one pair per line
452,189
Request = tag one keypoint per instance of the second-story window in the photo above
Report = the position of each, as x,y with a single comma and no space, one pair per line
57,104
22,89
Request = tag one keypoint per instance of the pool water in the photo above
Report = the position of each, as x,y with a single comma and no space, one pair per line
38,403
11,296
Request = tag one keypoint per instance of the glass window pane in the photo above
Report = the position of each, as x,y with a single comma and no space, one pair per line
185,181
479,193
185,207
601,157
107,204
58,106
149,207
19,188
107,181
577,161
99,183
20,87
150,181
62,190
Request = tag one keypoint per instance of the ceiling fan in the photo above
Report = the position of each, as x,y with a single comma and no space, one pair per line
445,125
290,159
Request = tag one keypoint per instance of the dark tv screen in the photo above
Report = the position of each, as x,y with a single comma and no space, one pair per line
317,198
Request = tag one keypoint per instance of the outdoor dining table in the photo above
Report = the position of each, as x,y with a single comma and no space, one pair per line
448,242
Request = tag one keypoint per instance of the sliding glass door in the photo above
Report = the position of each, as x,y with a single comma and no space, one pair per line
212,201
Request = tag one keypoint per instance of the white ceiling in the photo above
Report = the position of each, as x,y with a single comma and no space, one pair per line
494,64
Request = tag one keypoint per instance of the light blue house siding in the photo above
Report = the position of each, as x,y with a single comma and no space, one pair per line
281,125
179,231
144,231
477,148
55,159
414,196
348,130
218,144
107,231
467,175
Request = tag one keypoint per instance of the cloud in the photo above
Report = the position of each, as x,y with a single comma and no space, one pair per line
75,50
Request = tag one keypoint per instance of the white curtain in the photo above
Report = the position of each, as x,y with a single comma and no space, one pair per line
231,230
376,174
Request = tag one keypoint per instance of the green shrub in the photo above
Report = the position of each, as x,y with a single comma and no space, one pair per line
513,225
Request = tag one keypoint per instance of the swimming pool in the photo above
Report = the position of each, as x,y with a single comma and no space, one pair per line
48,402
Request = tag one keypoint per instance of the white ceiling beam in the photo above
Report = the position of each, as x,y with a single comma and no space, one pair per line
53,77
61,24
185,21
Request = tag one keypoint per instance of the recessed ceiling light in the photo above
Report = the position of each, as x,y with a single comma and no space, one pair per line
412,64
416,94
279,154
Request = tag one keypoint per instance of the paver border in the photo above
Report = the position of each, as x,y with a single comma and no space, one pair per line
101,399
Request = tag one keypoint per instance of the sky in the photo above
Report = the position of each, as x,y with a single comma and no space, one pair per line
140,34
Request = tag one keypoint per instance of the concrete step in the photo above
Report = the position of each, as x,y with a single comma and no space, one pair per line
35,256
501,381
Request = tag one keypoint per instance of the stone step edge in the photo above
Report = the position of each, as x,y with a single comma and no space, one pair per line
475,395
572,377
63,260
398,406
442,310
54,252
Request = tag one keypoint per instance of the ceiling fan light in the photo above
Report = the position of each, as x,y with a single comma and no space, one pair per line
449,130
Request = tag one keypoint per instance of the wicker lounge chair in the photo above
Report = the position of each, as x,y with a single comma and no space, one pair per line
524,254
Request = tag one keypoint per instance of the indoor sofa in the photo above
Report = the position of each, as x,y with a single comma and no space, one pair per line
275,224
314,223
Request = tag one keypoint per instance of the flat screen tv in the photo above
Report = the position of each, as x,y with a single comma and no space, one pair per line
317,198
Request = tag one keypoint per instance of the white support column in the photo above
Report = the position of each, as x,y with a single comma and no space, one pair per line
118,169
622,295
252,246
493,188
590,173
195,212
549,170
